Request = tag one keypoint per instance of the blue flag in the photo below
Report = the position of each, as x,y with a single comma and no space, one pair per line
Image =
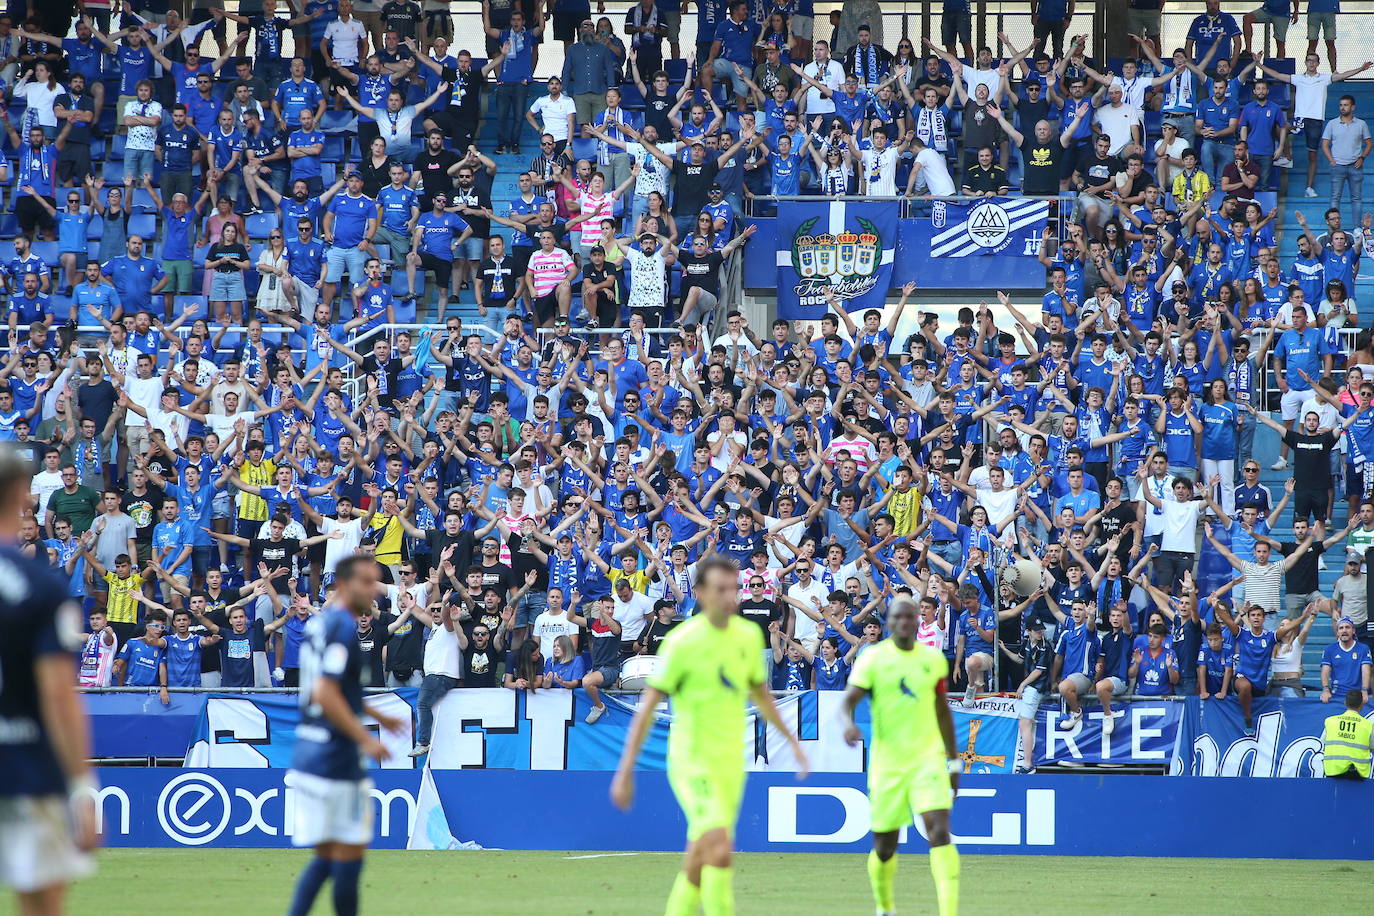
839,247
992,226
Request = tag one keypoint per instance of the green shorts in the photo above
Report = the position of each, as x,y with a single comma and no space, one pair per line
1321,22
396,241
1144,23
896,796
710,799
178,277
1280,23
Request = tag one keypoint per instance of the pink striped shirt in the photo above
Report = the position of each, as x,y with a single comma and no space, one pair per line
548,270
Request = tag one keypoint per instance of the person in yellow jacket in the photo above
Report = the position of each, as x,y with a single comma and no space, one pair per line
1348,741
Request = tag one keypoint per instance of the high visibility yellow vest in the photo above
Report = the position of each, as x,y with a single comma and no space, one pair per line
1345,742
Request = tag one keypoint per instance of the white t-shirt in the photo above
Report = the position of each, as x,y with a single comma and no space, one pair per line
1309,95
880,171
652,174
630,615
803,626
830,76
1000,506
146,393
974,78
1180,525
1164,491
726,456
935,173
442,655
43,485
40,99
345,40
548,627
222,424
1116,123
1174,150
336,549
648,279
142,137
553,114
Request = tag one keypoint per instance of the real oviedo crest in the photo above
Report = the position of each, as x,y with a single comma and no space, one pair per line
845,263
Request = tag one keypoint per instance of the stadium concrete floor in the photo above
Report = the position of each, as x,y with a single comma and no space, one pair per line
152,882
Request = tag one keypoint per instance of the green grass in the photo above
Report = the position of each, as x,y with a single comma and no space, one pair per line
231,881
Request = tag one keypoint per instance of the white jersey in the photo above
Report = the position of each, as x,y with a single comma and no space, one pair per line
97,661
880,172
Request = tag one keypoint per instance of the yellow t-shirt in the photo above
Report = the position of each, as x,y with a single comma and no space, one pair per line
122,608
254,508
903,688
708,671
639,579
389,541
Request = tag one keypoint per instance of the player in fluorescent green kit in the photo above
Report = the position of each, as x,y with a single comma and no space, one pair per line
911,767
712,666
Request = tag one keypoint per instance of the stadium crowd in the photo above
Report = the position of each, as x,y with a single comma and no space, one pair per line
538,476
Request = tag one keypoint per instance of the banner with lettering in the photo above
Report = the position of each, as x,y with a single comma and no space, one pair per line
841,247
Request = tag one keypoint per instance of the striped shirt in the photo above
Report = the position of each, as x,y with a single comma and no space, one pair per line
1263,584
548,269
595,208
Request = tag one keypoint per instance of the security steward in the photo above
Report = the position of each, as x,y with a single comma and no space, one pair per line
1348,741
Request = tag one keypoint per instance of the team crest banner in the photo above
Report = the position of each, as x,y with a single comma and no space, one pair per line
845,248
991,226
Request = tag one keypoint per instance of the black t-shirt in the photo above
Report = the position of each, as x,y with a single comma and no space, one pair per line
980,128
654,634
981,180
370,642
702,271
762,612
209,658
499,577
692,184
474,83
656,108
478,198
145,510
275,554
593,274
433,169
522,560
1302,578
97,402
1114,522
1040,165
405,648
1095,170
499,281
479,665
1311,458
233,250
386,376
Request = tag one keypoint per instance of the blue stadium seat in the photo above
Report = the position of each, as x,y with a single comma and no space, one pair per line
116,147
113,171
196,305
339,122
630,96
47,251
260,225
675,67
584,148
143,201
144,224
333,148
406,311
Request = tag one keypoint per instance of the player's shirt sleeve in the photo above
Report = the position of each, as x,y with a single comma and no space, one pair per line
862,675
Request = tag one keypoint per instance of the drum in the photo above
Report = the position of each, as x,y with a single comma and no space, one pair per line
635,673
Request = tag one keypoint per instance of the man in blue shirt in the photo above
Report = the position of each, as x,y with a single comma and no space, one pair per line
1075,665
305,258
732,52
517,43
135,277
435,236
400,209
142,662
1346,663
173,539
349,224
1261,125
977,629
179,223
297,94
95,293
177,144
1297,354
1213,27
1216,125
303,148
37,169
30,306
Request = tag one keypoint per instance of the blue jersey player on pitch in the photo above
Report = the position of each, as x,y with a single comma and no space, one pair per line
333,793
47,800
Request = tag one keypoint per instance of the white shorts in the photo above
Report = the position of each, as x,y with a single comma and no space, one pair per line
36,848
331,810
1291,402
984,656
1119,685
1029,702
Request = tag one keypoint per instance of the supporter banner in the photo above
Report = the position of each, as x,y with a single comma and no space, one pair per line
1143,733
1038,815
259,731
845,248
544,730
230,808
1286,740
138,725
993,226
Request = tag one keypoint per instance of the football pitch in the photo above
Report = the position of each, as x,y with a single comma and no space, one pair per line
241,881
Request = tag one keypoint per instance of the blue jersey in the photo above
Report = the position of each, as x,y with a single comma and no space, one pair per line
1216,663
1152,674
1300,350
373,302
1079,647
142,662
1178,440
30,607
330,650
297,97
1254,656
973,642
236,654
397,206
1219,430
183,660
173,536
1345,665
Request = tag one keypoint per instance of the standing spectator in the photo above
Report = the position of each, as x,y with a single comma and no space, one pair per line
558,114
733,45
1261,125
1346,144
1309,104
1050,19
1321,19
645,26
589,70
1213,30
516,44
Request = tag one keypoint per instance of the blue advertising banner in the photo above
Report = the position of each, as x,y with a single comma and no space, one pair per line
1286,739
844,248
138,725
1143,733
230,808
829,813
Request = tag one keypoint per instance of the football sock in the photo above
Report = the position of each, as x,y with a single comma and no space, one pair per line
684,898
308,886
880,878
346,876
944,868
717,891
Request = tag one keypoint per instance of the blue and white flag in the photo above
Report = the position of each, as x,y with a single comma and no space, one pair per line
838,247
992,226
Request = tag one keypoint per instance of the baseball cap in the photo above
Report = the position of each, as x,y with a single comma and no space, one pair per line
1036,625
560,320
1345,620
714,188
354,173
699,142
